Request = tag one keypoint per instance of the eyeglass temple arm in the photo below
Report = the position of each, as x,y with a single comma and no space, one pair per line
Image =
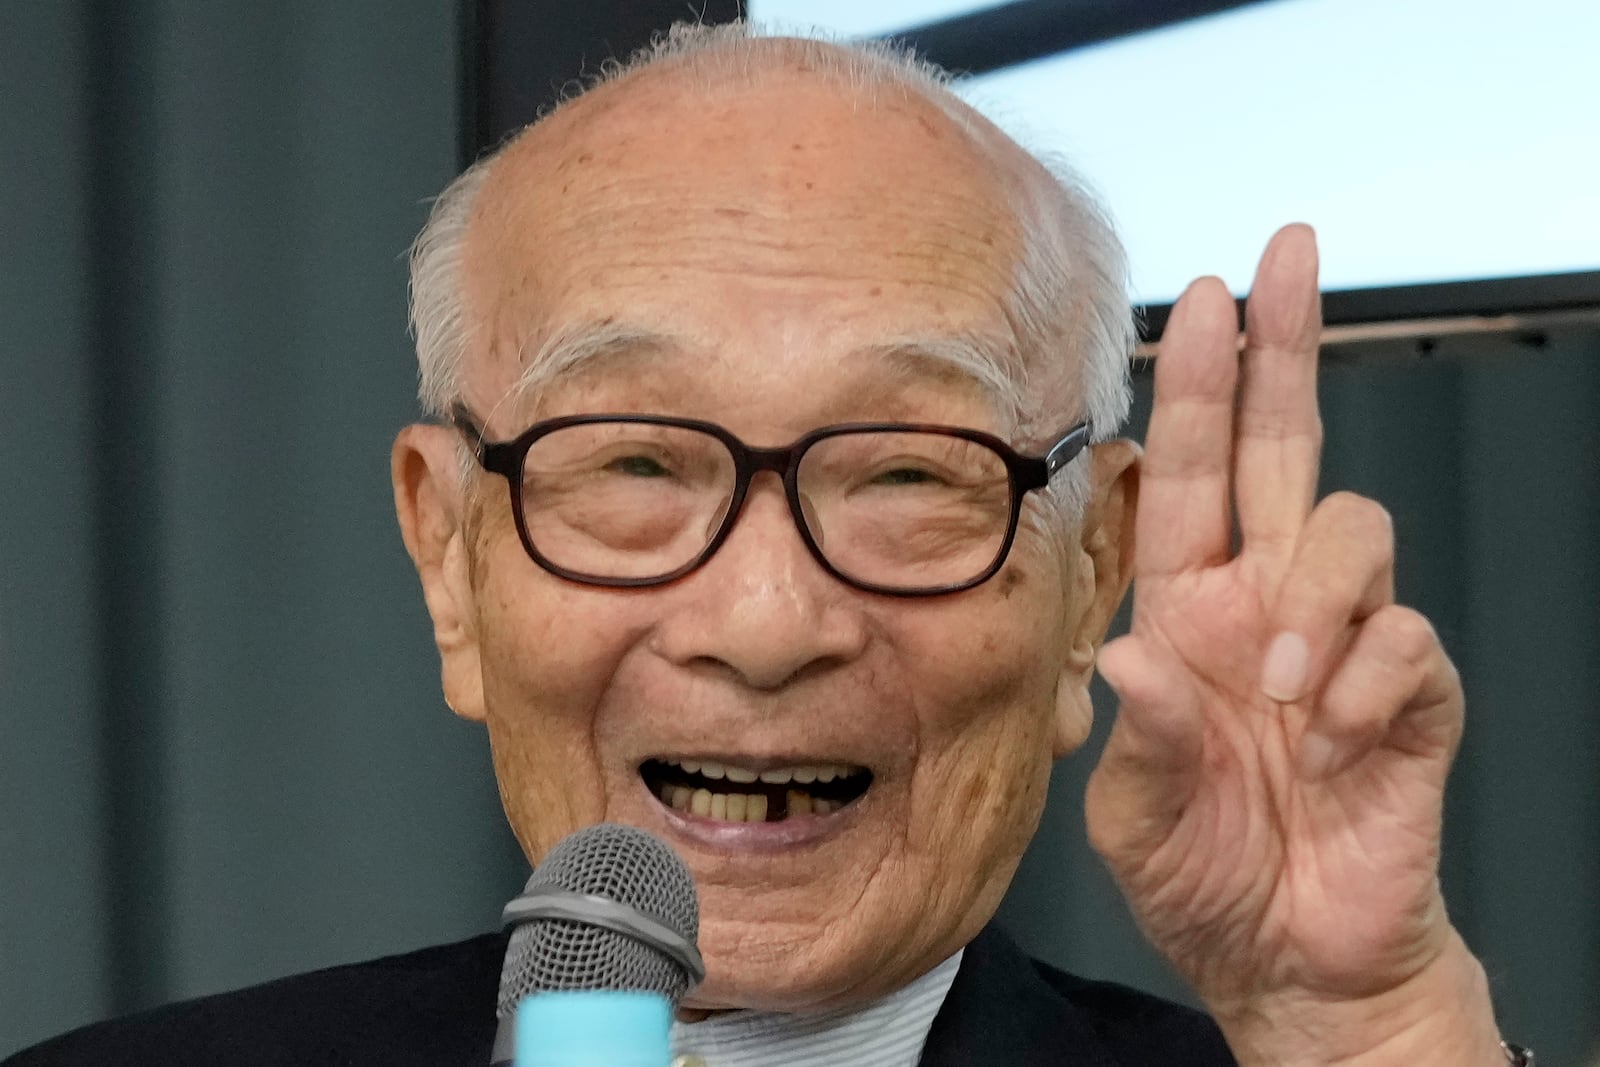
462,420
1065,450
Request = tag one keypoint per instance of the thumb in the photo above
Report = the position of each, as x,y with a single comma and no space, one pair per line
1152,760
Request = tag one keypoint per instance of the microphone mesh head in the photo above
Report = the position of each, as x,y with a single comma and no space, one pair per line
624,864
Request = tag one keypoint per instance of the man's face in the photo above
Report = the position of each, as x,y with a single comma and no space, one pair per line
777,248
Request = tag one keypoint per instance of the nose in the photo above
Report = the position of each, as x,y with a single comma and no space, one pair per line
762,609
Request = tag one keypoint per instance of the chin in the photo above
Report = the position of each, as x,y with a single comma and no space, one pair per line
783,976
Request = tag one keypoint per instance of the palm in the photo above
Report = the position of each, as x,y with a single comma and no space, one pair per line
1255,871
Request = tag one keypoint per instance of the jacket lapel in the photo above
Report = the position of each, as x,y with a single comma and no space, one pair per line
1000,1011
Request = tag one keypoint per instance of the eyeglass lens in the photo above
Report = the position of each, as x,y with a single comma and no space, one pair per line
627,500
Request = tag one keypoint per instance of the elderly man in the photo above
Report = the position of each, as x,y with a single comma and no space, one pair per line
776,508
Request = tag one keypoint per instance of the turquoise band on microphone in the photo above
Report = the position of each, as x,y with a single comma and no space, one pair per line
593,1028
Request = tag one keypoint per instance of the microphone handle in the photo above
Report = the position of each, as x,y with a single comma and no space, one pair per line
505,1042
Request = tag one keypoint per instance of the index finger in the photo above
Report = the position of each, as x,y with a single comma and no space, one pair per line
1183,518
1278,431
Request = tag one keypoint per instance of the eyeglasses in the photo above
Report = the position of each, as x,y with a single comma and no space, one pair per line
642,500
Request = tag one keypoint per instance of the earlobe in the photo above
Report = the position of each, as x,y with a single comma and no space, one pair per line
1104,569
1074,713
429,504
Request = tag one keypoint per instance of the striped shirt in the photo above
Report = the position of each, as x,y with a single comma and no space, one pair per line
887,1033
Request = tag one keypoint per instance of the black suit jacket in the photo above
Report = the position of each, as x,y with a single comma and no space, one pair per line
435,1008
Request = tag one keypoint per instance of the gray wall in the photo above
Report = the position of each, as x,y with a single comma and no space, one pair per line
222,752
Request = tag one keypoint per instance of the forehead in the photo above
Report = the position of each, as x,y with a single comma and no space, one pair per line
778,214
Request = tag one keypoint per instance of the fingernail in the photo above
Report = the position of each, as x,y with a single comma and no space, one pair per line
1283,675
1316,757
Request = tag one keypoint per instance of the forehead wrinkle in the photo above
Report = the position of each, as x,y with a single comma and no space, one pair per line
585,189
629,212
953,240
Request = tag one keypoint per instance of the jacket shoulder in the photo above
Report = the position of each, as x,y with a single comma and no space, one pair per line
434,1006
1138,1027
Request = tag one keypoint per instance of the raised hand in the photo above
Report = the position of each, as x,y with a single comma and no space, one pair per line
1271,793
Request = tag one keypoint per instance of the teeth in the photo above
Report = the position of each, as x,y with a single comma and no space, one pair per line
742,807
732,806
723,807
805,774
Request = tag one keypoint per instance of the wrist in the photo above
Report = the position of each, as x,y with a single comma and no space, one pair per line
1442,1015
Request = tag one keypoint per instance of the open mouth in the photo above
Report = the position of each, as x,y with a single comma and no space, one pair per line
729,793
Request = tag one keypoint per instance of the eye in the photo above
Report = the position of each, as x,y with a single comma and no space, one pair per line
638,467
904,476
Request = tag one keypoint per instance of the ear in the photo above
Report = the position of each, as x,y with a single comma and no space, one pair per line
429,501
1102,563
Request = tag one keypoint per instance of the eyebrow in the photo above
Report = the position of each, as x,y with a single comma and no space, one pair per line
584,345
964,358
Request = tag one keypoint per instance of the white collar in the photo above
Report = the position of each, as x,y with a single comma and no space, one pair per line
886,1033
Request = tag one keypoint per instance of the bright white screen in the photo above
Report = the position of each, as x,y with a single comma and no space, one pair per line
860,18
1430,140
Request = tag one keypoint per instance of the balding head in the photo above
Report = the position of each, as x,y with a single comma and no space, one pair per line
1067,307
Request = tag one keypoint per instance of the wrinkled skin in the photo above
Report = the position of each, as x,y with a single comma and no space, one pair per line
772,247
1271,795
777,251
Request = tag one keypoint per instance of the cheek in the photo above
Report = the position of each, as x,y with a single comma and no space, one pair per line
994,652
543,676
979,784
987,718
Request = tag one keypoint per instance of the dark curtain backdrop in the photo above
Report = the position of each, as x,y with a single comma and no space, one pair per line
223,756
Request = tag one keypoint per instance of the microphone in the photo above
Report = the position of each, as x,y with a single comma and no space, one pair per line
603,946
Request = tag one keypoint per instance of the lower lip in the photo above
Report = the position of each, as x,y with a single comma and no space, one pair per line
792,832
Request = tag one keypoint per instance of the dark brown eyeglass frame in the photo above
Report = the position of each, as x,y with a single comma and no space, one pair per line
1025,473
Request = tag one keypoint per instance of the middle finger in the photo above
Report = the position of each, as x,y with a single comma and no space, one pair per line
1278,433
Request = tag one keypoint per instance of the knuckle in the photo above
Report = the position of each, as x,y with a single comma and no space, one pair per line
1407,633
1354,717
1362,516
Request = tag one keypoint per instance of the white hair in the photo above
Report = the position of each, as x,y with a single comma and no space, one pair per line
1068,308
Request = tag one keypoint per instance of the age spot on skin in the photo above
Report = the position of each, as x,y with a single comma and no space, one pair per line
1009,580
